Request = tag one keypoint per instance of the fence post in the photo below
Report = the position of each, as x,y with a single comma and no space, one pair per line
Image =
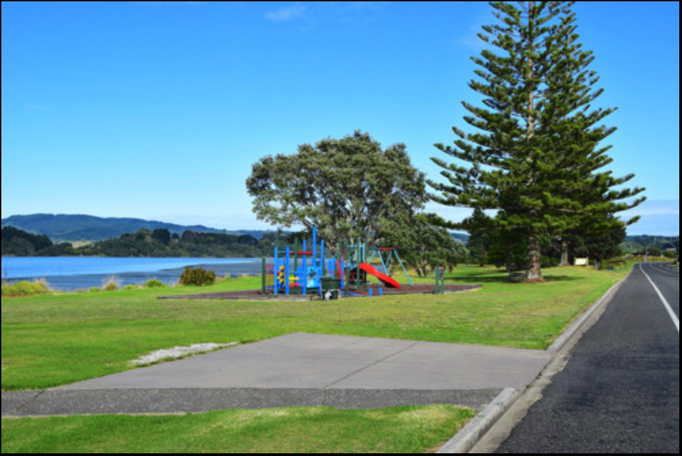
440,280
263,277
286,272
276,269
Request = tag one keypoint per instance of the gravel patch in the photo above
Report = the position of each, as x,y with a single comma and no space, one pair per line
179,352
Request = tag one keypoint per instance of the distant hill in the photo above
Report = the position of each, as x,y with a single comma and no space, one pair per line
638,244
462,237
71,228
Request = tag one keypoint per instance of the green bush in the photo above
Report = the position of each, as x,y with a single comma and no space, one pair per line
23,288
131,287
617,263
153,283
93,289
111,284
198,277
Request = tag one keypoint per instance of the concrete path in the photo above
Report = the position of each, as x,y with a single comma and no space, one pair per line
298,370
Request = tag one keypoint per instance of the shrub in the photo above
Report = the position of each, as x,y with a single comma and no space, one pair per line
153,283
225,278
131,287
111,284
198,277
93,289
24,288
616,263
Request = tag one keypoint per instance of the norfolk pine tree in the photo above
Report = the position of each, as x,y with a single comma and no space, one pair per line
534,152
587,196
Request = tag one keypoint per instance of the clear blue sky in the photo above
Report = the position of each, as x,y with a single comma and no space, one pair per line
157,110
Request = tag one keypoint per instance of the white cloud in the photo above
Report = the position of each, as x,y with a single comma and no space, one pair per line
286,14
471,39
659,217
656,207
312,13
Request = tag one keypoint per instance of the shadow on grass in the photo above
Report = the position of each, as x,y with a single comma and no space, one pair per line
499,276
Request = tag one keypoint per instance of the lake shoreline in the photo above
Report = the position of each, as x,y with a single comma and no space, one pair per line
78,273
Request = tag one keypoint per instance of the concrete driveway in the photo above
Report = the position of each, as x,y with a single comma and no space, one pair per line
298,370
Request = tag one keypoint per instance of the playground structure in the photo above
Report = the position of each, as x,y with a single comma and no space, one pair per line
392,251
312,273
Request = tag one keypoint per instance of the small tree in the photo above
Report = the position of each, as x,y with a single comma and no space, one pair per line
161,235
423,244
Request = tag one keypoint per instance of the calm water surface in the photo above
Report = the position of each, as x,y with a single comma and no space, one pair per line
71,273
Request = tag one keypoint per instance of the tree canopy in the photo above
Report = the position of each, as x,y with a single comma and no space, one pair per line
348,188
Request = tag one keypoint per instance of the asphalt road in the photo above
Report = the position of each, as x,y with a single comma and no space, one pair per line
619,393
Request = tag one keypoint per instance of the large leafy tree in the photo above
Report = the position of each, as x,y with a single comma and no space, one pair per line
478,226
534,153
348,188
422,242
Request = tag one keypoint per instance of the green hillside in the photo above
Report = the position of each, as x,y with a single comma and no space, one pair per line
71,228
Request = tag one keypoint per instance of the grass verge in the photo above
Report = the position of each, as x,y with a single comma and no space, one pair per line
291,430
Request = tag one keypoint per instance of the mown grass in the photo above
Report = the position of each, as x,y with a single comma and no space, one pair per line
61,338
57,339
292,430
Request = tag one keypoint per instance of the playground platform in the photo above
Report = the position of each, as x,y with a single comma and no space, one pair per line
258,295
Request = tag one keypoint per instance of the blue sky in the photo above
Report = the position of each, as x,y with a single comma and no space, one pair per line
157,110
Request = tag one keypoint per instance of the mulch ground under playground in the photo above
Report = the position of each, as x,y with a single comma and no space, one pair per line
257,295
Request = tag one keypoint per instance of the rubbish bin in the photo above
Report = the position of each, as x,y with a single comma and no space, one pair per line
331,283
330,288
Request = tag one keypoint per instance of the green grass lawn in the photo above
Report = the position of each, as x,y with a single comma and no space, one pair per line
291,430
56,339
60,338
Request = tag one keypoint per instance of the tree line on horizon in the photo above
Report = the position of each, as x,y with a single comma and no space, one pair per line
482,247
142,243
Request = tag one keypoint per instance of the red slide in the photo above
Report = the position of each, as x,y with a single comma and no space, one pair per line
369,269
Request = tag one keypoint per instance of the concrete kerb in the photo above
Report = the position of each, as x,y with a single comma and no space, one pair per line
471,434
573,329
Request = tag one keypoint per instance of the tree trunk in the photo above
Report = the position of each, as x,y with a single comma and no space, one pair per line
534,270
564,253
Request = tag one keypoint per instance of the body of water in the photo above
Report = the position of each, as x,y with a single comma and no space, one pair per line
72,273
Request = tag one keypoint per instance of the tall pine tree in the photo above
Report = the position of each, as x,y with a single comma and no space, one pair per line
534,153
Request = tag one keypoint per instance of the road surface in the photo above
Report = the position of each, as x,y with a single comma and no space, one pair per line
619,393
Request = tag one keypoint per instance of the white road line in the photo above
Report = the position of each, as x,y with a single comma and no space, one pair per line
660,268
676,320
